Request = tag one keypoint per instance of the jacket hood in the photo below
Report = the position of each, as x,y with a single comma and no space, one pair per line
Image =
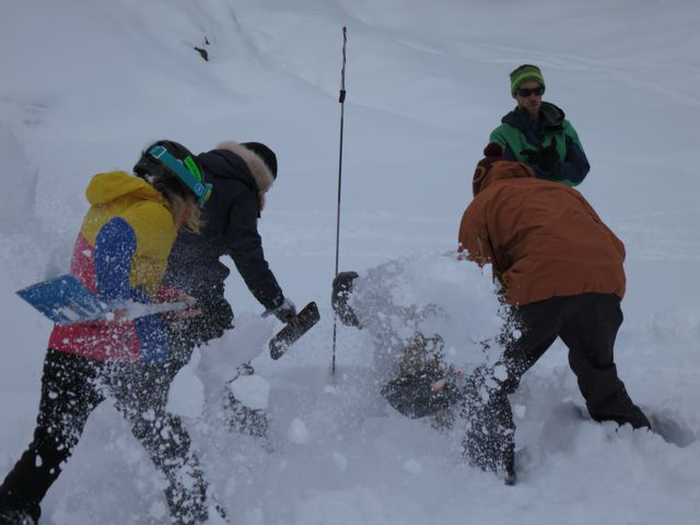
106,187
499,170
228,166
264,179
551,116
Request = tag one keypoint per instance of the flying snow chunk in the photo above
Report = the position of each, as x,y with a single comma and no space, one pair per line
298,433
519,411
500,372
253,391
413,466
340,461
186,397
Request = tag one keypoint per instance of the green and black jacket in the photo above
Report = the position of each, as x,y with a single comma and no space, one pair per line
517,133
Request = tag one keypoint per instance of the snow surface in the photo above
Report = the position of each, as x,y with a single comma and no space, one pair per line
87,83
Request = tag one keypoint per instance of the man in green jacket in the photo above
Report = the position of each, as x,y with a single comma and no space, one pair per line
537,133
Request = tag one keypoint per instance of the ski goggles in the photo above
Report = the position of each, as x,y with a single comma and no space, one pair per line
526,92
187,171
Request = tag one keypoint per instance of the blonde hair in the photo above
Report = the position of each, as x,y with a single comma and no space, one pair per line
179,204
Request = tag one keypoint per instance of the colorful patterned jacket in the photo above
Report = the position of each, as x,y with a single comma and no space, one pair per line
120,255
517,133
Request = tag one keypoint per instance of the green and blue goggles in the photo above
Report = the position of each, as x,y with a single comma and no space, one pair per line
187,171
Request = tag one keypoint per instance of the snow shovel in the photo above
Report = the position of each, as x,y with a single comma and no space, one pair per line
65,300
298,326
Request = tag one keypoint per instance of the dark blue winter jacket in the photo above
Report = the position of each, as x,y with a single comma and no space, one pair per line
240,179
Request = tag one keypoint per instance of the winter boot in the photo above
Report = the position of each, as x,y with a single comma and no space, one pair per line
489,438
509,474
186,493
244,419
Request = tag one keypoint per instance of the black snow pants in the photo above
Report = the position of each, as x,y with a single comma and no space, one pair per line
588,324
71,387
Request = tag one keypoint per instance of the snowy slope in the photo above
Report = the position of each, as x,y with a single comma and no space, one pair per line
87,83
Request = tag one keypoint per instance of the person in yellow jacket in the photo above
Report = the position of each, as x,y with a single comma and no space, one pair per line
120,254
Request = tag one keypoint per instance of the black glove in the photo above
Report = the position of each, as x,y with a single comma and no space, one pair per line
545,158
286,311
532,156
549,156
342,287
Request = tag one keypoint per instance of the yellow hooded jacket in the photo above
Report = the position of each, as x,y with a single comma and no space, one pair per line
121,254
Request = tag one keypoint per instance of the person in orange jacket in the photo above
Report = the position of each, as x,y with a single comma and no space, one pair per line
561,271
120,255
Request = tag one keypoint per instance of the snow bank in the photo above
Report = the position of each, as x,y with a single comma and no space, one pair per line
20,178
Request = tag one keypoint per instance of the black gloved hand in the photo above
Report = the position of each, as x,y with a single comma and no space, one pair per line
549,156
532,156
342,287
286,311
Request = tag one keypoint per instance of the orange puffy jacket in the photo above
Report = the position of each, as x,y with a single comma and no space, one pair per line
542,238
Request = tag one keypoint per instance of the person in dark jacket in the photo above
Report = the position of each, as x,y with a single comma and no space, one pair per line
561,271
241,174
537,134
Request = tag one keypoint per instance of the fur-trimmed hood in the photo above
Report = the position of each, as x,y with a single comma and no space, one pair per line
261,173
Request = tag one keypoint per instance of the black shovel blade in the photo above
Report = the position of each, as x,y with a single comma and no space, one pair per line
297,327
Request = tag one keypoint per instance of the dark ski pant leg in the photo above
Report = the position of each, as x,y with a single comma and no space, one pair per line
489,441
69,393
141,394
589,331
241,418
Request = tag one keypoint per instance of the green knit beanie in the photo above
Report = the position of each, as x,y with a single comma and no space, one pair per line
523,74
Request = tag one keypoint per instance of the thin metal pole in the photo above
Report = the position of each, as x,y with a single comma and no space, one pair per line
341,99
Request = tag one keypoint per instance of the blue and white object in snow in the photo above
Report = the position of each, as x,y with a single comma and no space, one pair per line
65,300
